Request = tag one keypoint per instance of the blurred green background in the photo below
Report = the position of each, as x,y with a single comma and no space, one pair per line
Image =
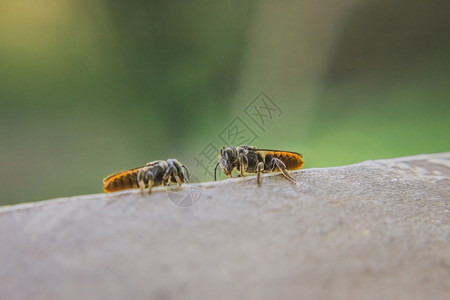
88,88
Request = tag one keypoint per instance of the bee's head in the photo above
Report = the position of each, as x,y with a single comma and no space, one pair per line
178,170
228,160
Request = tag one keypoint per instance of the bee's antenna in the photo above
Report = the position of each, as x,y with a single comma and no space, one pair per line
215,172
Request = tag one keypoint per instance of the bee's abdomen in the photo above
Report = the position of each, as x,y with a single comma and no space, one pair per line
293,161
121,181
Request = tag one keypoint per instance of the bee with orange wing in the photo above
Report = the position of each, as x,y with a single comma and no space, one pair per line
155,173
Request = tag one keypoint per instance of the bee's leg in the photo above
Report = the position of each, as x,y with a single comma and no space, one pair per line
243,163
276,163
151,181
166,176
140,180
259,169
177,178
174,173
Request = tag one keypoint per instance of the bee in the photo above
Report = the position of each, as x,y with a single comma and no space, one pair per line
249,159
155,173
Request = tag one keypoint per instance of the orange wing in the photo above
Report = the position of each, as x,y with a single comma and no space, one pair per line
121,181
292,160
124,180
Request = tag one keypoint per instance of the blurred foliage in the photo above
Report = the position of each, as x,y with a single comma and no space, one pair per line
88,88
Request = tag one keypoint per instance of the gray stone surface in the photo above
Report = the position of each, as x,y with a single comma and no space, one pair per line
379,229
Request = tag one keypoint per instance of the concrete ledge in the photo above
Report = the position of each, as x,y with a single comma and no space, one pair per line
378,229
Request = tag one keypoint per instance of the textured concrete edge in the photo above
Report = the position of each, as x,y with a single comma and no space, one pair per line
442,158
